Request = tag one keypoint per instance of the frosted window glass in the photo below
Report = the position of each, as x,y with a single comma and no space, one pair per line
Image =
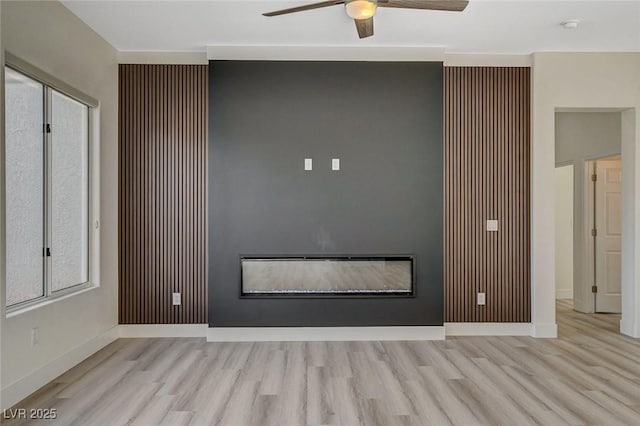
69,192
24,145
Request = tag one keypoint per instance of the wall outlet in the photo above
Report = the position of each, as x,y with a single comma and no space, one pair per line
482,299
177,299
308,164
35,336
492,225
335,164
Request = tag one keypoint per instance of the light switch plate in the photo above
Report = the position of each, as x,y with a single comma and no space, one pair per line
492,225
308,164
177,299
482,299
335,164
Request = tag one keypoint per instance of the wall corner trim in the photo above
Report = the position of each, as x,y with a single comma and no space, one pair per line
17,391
326,334
544,331
487,328
627,328
162,330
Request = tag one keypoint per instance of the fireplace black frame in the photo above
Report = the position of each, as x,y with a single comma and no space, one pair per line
330,295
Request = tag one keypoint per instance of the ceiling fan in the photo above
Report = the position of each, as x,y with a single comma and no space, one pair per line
362,11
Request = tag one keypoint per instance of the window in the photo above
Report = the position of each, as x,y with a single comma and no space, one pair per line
47,145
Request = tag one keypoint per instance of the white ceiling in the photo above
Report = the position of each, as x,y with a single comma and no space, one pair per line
509,27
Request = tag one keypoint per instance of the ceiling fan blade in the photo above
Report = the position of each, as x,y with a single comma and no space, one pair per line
450,5
364,27
305,7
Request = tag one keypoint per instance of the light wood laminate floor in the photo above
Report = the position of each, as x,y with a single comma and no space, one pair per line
589,375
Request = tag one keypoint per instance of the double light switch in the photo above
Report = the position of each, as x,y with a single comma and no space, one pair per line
308,164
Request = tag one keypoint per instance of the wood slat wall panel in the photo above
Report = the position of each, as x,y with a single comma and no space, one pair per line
163,193
487,172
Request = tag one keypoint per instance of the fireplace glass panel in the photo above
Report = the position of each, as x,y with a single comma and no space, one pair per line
389,275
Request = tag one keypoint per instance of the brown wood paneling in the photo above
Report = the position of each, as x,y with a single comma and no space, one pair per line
163,122
486,162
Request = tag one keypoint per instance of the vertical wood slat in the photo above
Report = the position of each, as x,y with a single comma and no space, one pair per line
487,176
162,185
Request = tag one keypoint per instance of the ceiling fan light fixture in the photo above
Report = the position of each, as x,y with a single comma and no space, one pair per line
361,9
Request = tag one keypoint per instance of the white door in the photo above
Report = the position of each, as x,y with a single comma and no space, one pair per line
608,219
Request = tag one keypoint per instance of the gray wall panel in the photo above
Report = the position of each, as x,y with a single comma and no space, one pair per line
384,122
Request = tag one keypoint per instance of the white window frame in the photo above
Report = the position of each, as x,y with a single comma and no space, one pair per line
51,83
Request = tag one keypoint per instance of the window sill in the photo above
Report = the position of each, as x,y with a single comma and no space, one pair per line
52,299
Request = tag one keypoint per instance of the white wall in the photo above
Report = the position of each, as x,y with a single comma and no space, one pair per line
564,232
51,38
582,80
583,136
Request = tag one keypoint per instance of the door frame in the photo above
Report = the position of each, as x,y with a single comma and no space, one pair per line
542,215
588,248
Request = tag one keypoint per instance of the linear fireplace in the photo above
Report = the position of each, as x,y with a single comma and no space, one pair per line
322,276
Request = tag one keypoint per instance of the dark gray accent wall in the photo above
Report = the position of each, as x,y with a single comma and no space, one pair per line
384,122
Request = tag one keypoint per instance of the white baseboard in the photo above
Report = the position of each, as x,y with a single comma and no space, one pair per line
328,334
564,294
17,391
487,328
544,330
162,330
